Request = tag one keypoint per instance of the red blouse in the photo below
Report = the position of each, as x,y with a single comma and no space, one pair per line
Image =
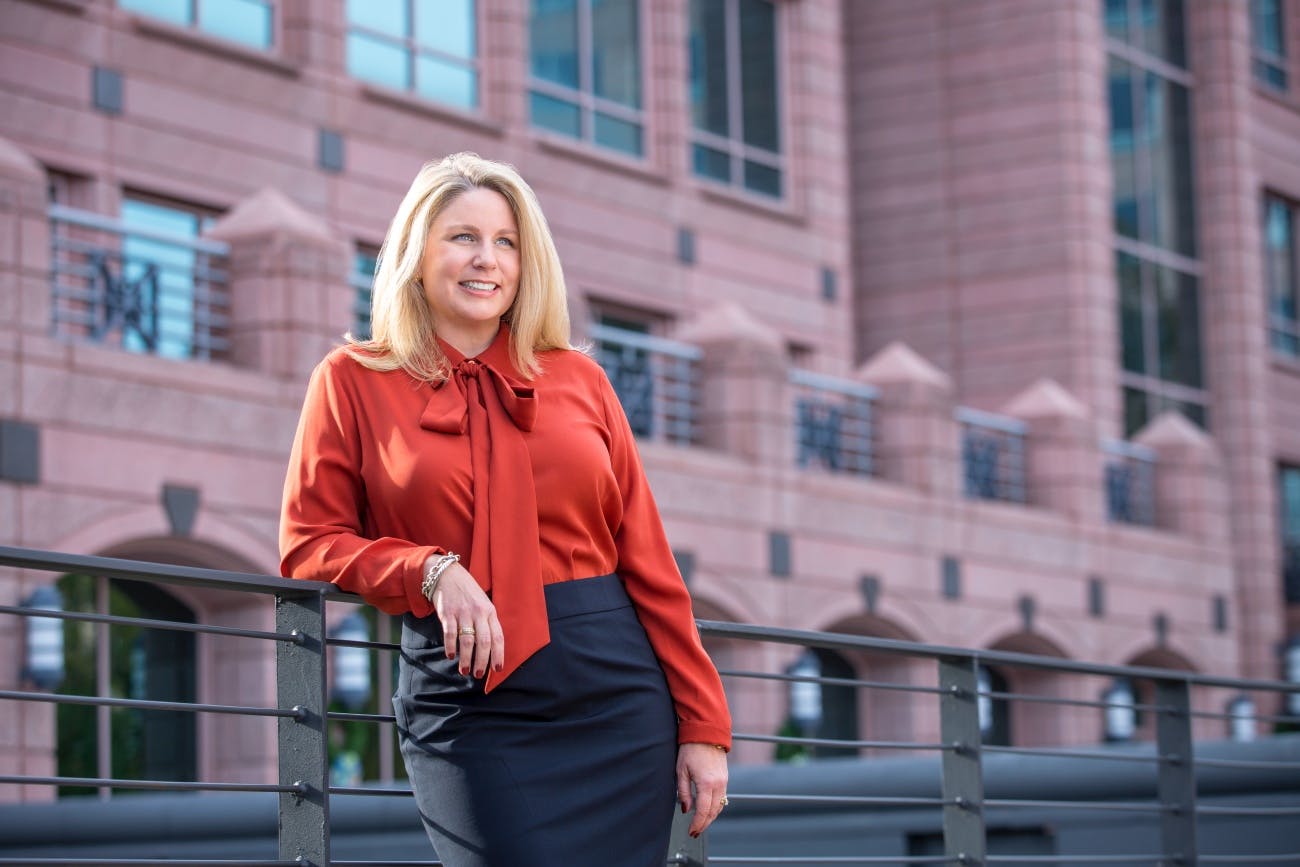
382,476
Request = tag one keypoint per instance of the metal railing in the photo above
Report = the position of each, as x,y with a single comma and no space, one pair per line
1130,482
834,425
993,455
656,381
958,804
142,289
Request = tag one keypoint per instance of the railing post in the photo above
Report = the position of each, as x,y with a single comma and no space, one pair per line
300,684
963,780
1176,785
683,849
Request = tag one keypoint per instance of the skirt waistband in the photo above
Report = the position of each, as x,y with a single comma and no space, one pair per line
585,596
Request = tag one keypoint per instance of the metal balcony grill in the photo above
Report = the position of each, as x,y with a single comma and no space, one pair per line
993,456
833,423
1129,478
656,381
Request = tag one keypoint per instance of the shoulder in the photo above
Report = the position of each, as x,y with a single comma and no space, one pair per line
572,364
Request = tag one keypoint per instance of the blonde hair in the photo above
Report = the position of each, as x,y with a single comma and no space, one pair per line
403,327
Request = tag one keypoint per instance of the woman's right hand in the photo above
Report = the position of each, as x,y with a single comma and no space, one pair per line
470,627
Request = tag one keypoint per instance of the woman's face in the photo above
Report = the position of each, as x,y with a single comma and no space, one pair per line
470,268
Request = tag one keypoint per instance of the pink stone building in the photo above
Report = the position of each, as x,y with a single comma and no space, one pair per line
973,323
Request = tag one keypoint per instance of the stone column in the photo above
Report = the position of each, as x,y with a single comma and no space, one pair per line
290,299
918,442
1062,455
1191,491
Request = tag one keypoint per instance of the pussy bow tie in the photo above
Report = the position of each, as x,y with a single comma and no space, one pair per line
494,410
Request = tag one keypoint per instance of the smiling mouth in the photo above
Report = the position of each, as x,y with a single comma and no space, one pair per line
478,286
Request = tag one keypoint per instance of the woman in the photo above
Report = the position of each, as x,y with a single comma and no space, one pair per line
468,469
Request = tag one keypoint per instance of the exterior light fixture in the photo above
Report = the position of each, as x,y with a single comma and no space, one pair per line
984,701
43,664
350,684
806,695
1120,721
1241,718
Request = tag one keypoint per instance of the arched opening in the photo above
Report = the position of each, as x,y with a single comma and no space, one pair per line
1143,690
994,709
1026,722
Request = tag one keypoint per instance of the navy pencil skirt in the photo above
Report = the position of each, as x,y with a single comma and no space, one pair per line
568,763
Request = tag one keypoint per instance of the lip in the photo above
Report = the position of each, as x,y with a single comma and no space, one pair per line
478,290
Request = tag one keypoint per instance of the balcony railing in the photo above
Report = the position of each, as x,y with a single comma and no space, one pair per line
1291,570
656,380
993,455
833,422
1130,479
145,290
954,807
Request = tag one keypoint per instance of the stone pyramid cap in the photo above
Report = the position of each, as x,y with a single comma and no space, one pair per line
1172,428
17,163
1046,398
898,362
269,212
730,321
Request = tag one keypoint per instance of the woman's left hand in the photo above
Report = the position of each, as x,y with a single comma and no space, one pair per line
705,766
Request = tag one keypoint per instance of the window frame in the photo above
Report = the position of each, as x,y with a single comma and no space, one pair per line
1263,59
733,144
275,36
413,51
584,97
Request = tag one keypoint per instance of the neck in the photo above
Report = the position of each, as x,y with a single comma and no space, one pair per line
470,343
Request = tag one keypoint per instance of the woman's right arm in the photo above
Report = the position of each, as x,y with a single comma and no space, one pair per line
321,519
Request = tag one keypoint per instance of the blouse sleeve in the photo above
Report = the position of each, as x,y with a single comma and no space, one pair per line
323,511
649,571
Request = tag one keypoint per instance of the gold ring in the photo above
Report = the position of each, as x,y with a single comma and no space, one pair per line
467,630
722,802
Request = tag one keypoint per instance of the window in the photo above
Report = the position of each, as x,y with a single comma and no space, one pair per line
362,279
1154,211
586,71
1288,483
248,22
1268,42
1282,275
428,47
733,91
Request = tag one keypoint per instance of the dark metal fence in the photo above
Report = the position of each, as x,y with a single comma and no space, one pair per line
1171,713
993,455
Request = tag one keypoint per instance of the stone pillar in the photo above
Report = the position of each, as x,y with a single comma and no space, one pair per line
918,441
1191,491
745,392
290,299
1062,454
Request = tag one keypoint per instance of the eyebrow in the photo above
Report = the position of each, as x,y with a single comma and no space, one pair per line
463,226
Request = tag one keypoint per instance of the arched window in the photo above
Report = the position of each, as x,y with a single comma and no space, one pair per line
839,705
995,711
126,661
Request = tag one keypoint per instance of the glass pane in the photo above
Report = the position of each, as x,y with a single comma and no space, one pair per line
383,63
1165,195
445,81
554,41
447,26
1290,500
1279,256
1270,73
386,16
762,178
1116,13
164,276
556,114
175,11
616,51
1160,30
708,48
1136,412
1132,344
244,21
711,163
1266,26
758,74
618,134
1178,326
1123,164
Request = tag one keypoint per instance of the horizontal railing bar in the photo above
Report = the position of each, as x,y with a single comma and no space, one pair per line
104,223
1078,702
1245,763
830,859
846,744
1128,449
367,645
141,570
159,785
837,385
1249,859
1213,810
992,803
176,625
833,641
1075,754
1257,717
647,342
991,420
146,862
338,863
346,716
846,799
362,790
1082,859
830,681
147,704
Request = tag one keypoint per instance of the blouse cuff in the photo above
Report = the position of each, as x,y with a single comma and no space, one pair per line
695,732
413,579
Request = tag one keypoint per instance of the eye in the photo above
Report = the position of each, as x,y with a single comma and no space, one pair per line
505,242
463,236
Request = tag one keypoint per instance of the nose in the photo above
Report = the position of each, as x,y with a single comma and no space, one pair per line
485,257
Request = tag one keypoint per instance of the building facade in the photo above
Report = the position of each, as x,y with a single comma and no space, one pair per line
967,323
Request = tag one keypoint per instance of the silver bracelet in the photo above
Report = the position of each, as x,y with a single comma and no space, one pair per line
433,573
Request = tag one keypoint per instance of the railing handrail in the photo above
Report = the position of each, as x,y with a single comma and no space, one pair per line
648,342
992,420
1128,449
103,223
836,384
